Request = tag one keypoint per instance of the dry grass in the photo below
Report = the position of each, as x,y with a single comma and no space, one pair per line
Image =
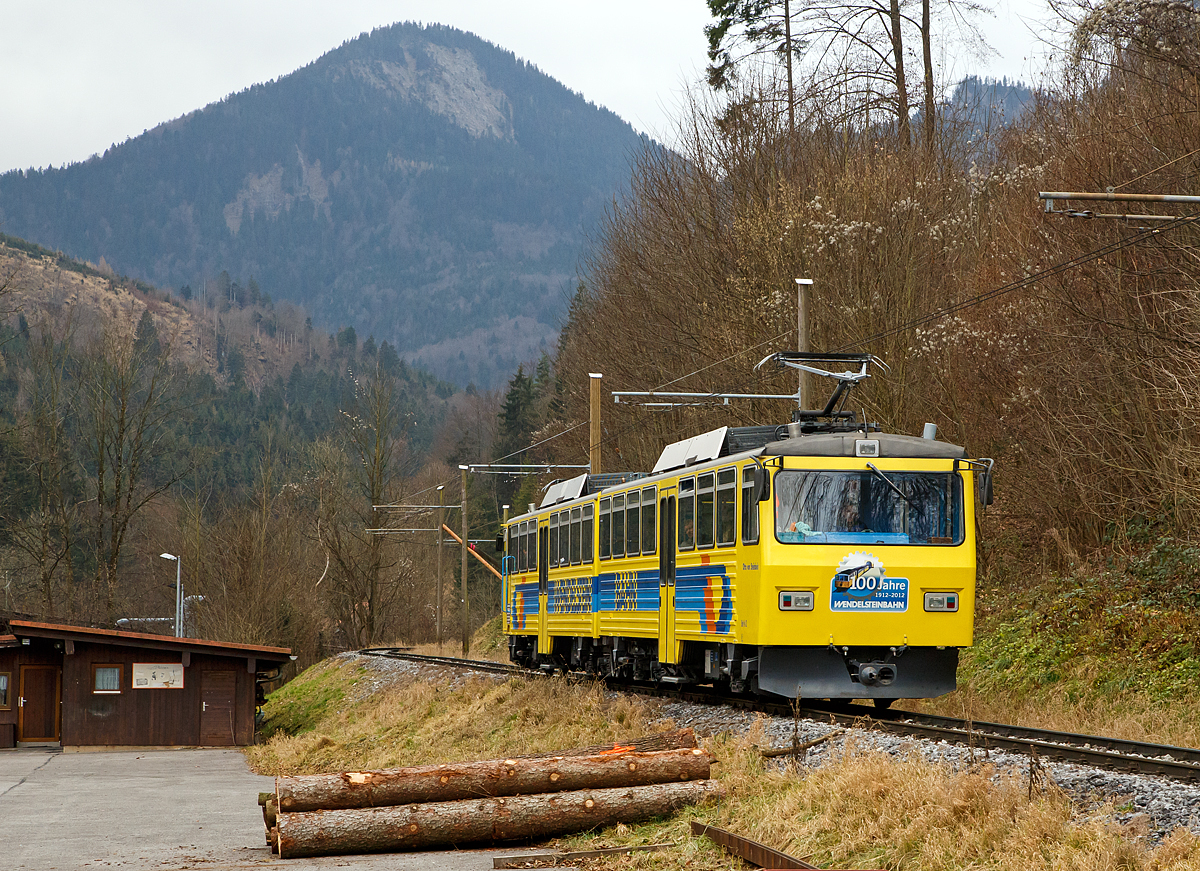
871,810
861,809
419,721
1101,651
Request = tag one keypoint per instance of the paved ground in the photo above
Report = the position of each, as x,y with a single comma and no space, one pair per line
160,810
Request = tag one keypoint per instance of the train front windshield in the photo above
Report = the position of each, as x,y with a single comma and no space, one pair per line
868,507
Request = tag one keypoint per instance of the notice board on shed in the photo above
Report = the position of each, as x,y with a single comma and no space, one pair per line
158,675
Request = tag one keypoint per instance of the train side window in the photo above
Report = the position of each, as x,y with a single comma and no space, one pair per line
605,528
726,506
687,513
518,550
564,538
649,530
749,507
705,514
632,524
531,546
553,540
618,526
585,554
576,530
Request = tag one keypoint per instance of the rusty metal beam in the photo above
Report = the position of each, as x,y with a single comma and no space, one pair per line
752,851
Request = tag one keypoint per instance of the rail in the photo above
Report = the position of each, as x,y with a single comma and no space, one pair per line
1114,754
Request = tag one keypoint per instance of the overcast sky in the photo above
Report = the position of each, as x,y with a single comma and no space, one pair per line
79,75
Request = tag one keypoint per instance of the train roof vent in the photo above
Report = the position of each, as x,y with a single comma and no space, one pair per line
561,491
750,438
604,480
697,449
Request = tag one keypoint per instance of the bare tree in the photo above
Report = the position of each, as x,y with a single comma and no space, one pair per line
47,535
128,402
356,473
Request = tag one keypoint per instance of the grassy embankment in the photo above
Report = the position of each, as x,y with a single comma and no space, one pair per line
1104,651
1109,649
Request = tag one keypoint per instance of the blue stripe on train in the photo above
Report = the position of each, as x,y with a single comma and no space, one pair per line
707,590
628,591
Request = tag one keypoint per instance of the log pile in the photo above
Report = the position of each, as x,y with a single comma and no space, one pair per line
432,806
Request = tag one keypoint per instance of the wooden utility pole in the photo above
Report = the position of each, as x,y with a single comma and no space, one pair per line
594,430
441,522
802,285
787,30
466,605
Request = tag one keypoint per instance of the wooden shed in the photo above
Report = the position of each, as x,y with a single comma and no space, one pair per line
82,687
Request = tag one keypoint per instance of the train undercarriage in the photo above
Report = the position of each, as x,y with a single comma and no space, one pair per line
852,672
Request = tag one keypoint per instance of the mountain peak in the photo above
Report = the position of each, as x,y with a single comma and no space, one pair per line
417,183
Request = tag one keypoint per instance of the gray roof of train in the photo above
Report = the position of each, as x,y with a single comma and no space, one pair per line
839,444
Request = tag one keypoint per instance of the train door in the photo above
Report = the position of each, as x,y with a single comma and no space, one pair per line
666,581
543,586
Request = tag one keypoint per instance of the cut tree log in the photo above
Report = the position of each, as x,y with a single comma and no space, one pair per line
495,777
439,824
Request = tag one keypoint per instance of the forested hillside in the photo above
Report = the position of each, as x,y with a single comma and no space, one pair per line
222,428
417,183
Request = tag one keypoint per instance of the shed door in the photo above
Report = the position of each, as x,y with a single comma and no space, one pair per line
217,707
41,686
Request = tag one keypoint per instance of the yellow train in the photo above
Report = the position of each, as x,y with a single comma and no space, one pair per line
822,562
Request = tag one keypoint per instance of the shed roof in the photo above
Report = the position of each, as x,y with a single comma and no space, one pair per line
32,629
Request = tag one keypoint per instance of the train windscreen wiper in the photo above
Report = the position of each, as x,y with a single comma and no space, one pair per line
891,484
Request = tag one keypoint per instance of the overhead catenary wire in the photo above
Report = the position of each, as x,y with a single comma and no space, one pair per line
916,323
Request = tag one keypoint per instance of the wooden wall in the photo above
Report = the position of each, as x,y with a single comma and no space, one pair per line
141,717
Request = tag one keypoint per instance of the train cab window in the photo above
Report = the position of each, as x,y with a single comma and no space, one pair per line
553,540
749,507
705,513
726,506
576,530
564,538
632,524
649,530
585,554
605,530
868,507
618,526
687,513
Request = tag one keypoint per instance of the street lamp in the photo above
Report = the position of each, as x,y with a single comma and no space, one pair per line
178,592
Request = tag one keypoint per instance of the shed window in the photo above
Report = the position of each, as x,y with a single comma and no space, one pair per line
107,678
5,703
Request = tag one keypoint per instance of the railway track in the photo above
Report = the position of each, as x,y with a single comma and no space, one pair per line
1114,754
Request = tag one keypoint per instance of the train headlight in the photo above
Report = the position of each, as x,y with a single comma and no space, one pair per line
941,601
795,600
